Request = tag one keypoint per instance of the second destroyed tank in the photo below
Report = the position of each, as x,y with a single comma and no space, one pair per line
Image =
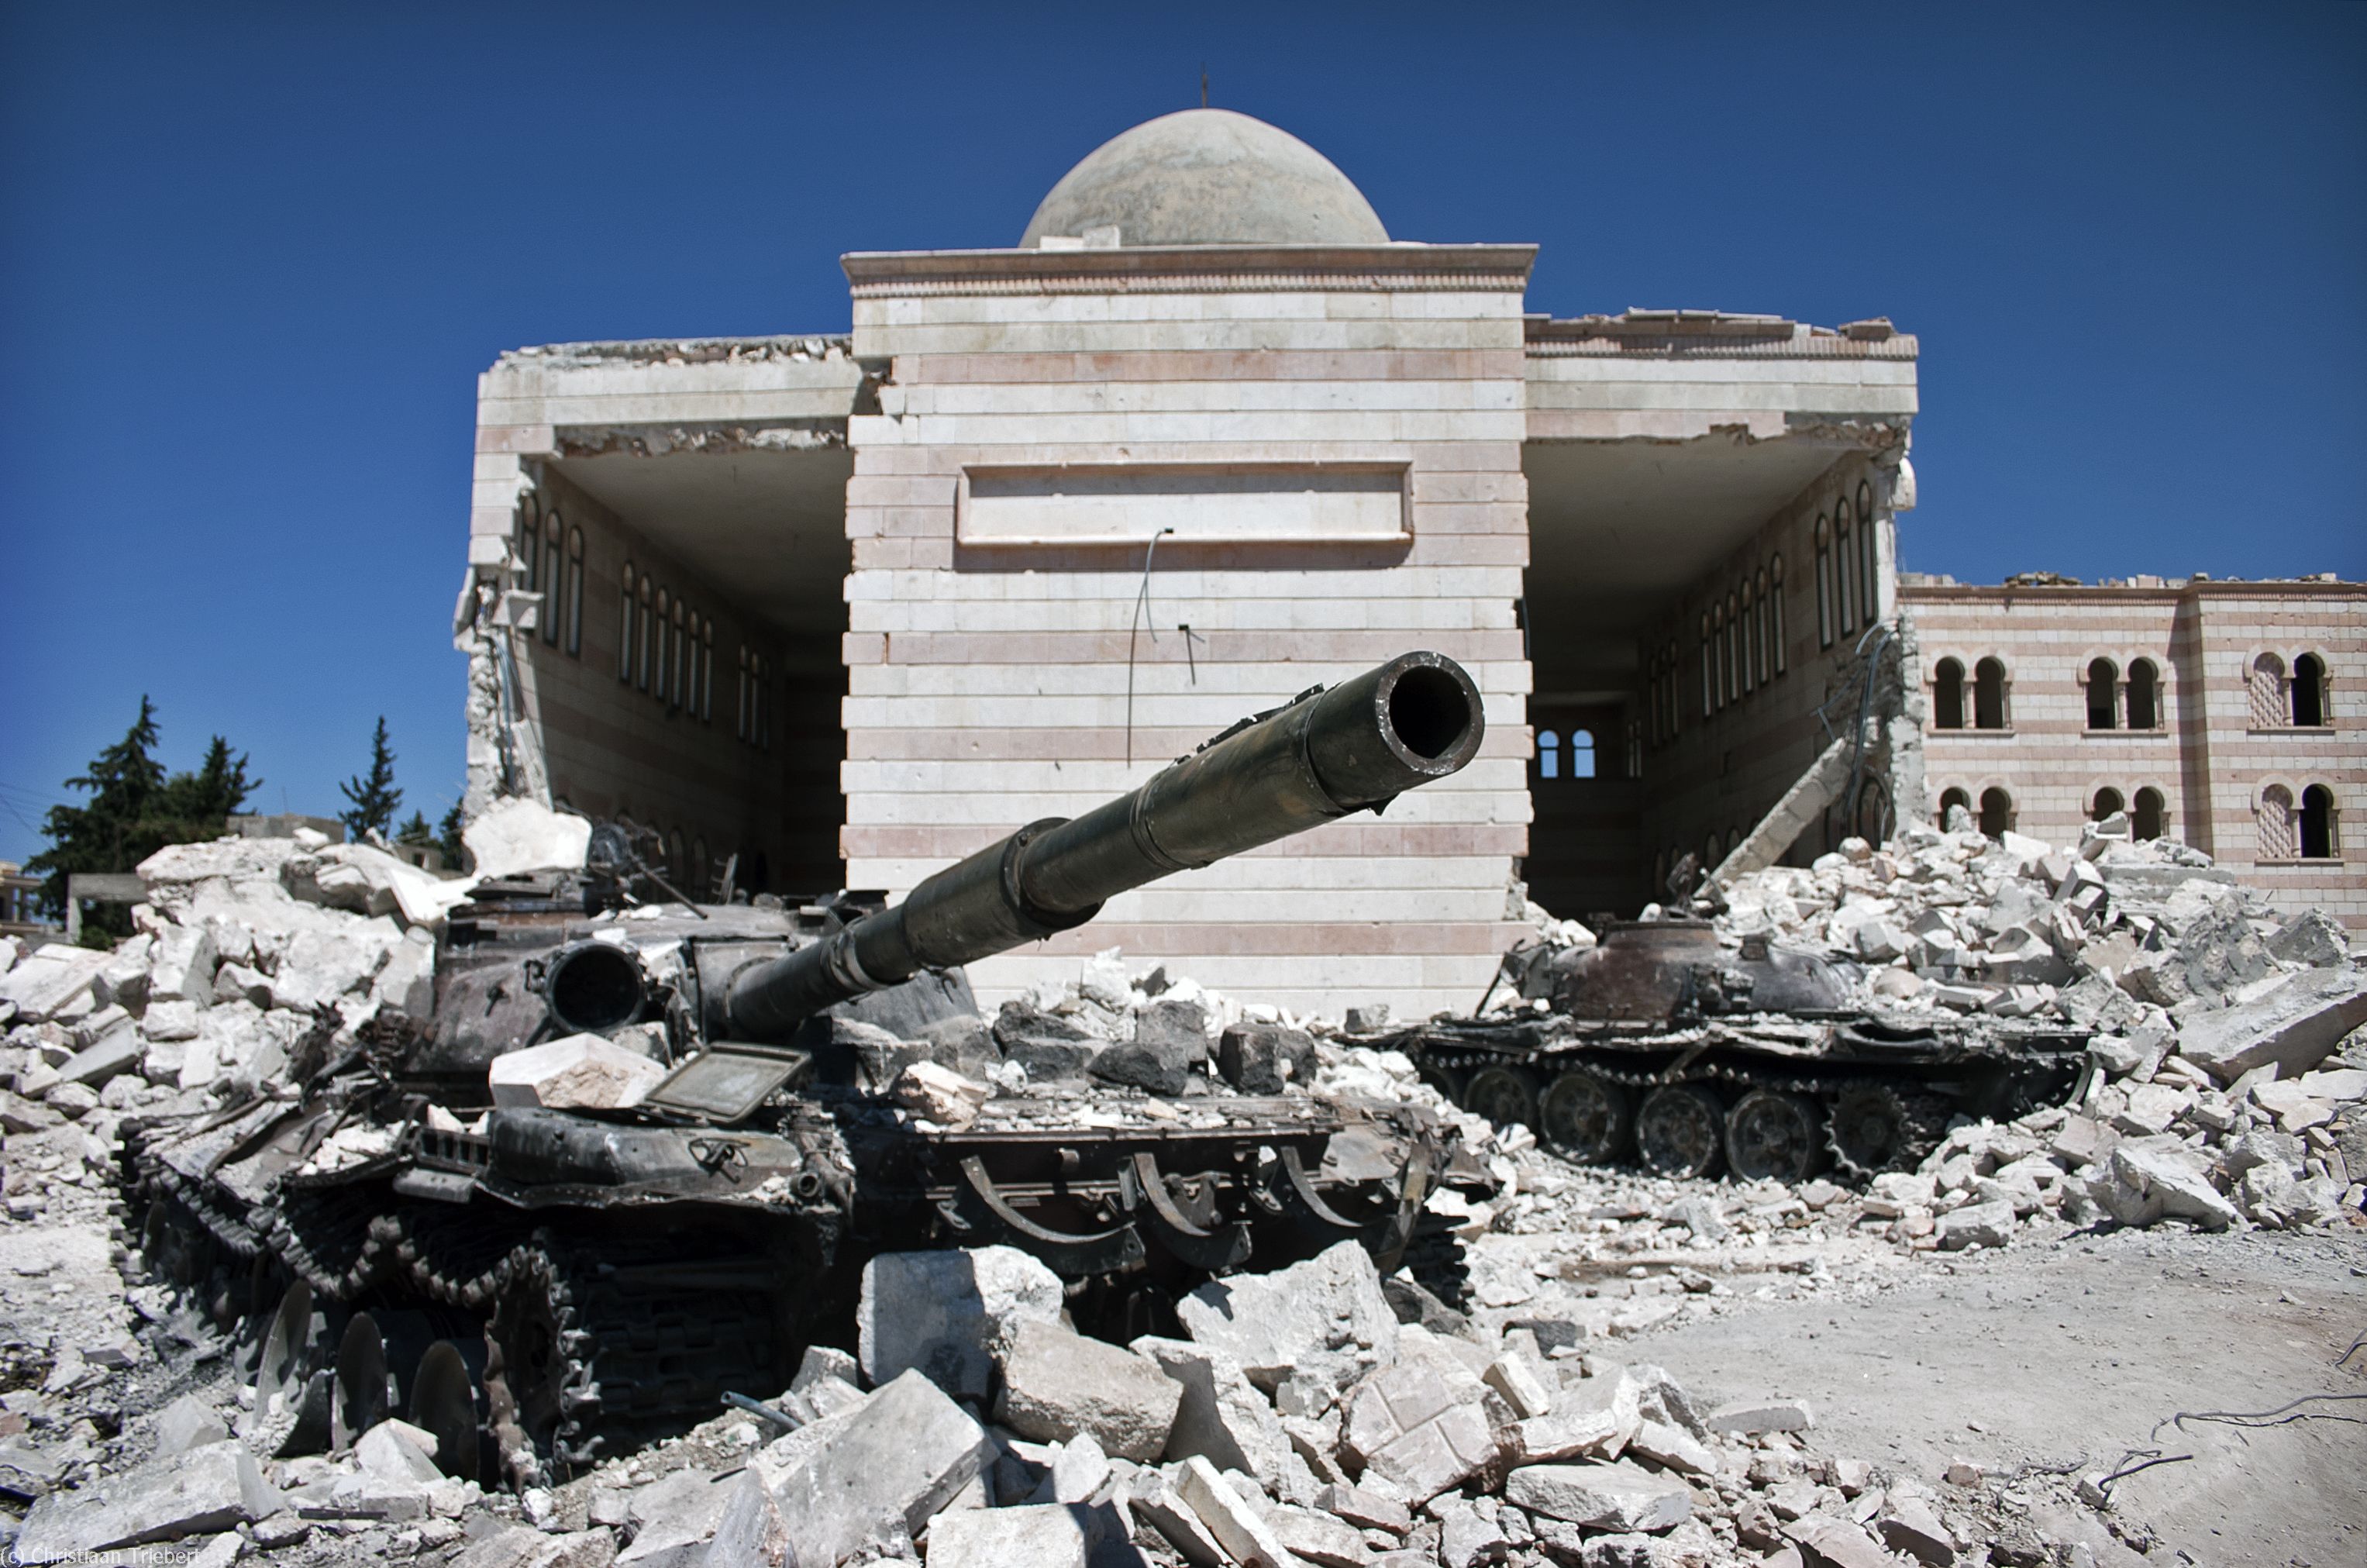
1663,1045
637,1157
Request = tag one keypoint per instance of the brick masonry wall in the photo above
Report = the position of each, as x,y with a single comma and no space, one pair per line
2208,758
987,687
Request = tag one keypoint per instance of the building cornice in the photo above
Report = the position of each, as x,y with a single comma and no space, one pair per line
1190,269
1993,593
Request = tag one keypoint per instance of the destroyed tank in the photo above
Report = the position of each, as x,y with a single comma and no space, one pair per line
539,1288
1665,1045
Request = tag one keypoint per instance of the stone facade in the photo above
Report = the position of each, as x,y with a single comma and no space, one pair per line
2188,704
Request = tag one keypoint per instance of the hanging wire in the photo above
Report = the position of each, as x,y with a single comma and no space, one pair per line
1141,603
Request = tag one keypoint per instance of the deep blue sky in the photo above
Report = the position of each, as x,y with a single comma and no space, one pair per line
252,261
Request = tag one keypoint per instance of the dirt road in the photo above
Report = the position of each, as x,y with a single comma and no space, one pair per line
2046,1354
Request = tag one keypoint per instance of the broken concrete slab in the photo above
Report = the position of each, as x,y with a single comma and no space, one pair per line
1329,1305
948,1313
2295,1026
1620,1496
1237,1527
939,1094
1261,1059
1154,1501
1764,1416
188,1423
1987,1224
1056,1383
1366,1510
1318,1537
582,1072
1035,1536
1222,1417
750,1532
1410,1427
903,1455
517,835
215,1486
674,1518
2177,1186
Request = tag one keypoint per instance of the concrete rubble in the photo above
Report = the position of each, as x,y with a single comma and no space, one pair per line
1314,1413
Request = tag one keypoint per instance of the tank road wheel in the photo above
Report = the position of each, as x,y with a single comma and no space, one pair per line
444,1400
1773,1134
1586,1118
1679,1131
1873,1128
1503,1094
361,1401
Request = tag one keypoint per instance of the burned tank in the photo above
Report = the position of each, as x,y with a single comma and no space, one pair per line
543,1287
1666,1045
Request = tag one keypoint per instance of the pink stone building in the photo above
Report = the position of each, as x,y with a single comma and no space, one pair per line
2225,714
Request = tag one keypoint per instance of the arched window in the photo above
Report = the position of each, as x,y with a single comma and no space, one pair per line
529,553
743,695
2104,694
625,626
1824,583
1996,812
2273,817
553,575
2145,695
1775,609
1869,553
642,635
2309,692
678,688
1734,649
665,610
1845,597
1581,754
2108,801
2267,693
1548,755
706,675
1989,695
2146,819
1956,811
1718,654
1766,632
2318,823
575,593
1708,670
1749,639
1948,696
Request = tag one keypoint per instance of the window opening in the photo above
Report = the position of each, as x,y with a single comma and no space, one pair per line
1824,584
552,538
625,626
641,640
1717,651
706,676
2268,692
743,727
1707,658
1548,755
1775,605
2108,801
2316,823
2309,692
2146,819
1750,641
678,689
1844,566
1581,754
1989,695
2104,694
2274,819
1948,696
1952,800
575,593
1997,813
1869,547
1733,651
2145,695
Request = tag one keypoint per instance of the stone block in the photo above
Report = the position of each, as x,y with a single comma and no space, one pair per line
1620,1497
388,1454
188,1423
1058,1384
1152,1500
948,1313
1036,1536
900,1459
169,1022
2295,1025
1764,1415
1836,1543
1985,1224
1222,1417
517,835
213,1487
939,1094
1050,1048
1673,1448
673,1518
1524,1389
1406,1426
1366,1510
582,1072
52,981
1240,1529
2313,938
1907,1526
1272,1323
1170,1039
822,1361
1317,1537
2177,1184
120,1049
1259,1058
751,1531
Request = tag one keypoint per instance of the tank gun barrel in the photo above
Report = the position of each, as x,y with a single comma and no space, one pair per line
1355,746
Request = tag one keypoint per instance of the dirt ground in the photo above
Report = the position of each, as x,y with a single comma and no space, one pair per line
2082,1351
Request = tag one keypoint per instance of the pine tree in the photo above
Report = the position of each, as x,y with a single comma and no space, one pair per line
414,830
135,811
447,839
374,797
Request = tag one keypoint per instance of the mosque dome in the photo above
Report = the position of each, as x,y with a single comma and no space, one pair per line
1208,177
